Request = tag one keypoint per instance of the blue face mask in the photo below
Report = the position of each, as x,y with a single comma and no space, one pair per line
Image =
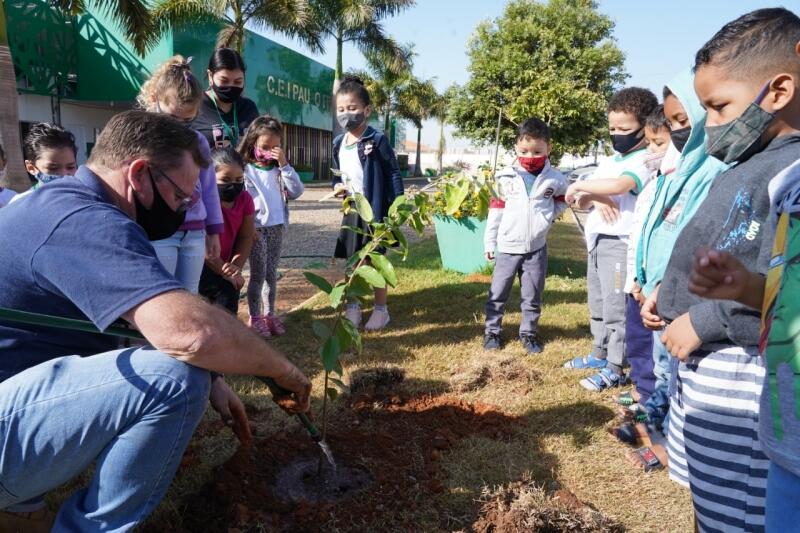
43,178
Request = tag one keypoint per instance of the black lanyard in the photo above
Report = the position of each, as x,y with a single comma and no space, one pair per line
232,132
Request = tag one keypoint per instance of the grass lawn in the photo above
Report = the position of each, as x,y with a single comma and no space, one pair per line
437,326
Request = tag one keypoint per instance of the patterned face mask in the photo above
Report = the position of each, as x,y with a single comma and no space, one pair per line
740,138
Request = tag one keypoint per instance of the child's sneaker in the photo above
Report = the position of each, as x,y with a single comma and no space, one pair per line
531,343
276,326
260,325
605,379
582,363
353,313
492,341
378,320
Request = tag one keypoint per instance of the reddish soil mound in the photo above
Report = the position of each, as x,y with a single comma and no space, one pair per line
402,456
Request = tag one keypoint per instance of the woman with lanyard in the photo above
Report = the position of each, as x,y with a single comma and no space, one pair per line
224,113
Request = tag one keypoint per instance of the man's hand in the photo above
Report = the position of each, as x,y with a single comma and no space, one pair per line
231,409
680,338
295,382
609,213
649,312
720,276
489,256
213,248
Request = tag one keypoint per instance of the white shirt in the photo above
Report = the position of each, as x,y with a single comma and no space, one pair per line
631,165
350,165
5,196
267,187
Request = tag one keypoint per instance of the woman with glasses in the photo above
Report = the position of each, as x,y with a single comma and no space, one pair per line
175,91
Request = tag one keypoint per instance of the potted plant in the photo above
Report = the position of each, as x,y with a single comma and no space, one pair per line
459,210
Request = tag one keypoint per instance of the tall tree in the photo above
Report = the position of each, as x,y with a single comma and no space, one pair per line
290,17
555,60
440,111
416,100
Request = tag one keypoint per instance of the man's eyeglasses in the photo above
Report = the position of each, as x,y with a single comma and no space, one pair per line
184,199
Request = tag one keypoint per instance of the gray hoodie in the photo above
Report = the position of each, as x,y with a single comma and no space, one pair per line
734,218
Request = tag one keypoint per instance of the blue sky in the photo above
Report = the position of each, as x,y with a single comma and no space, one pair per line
657,42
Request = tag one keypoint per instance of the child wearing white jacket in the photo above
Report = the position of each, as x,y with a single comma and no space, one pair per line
531,198
272,182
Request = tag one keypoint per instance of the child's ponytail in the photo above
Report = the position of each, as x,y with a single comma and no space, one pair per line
171,83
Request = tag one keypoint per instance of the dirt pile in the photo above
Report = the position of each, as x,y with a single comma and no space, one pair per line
522,506
403,456
495,369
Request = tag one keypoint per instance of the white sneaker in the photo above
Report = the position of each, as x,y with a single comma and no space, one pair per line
378,320
353,314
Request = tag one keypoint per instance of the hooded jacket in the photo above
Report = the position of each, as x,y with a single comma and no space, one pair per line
518,222
679,193
382,181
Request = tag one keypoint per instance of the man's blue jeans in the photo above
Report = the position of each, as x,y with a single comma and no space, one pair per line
131,412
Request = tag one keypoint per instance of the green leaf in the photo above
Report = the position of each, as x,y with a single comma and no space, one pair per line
371,276
332,393
355,229
343,333
321,329
319,282
455,196
363,207
401,239
385,267
330,353
336,295
359,287
398,202
355,335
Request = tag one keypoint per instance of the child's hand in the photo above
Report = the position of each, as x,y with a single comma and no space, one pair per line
238,280
680,338
637,294
280,155
229,269
649,312
571,196
213,247
340,190
717,275
609,213
489,256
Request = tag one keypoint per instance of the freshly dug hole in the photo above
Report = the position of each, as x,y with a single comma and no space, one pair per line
301,481
375,381
495,369
522,506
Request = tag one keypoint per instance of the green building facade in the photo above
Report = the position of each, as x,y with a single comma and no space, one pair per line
80,71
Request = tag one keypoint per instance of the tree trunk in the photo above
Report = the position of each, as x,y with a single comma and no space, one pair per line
337,80
418,162
16,176
442,146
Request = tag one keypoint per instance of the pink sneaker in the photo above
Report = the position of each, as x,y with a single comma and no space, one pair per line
260,325
276,326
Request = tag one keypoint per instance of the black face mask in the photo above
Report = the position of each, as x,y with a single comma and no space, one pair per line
680,137
160,221
624,143
227,93
229,191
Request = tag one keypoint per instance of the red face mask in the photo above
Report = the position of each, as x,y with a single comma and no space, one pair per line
534,164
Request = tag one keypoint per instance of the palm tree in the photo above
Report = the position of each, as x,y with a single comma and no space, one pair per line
359,22
439,112
290,17
135,21
416,101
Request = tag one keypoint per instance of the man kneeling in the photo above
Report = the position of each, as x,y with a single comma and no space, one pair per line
80,248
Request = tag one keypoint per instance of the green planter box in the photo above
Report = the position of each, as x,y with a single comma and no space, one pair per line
306,176
404,174
461,243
